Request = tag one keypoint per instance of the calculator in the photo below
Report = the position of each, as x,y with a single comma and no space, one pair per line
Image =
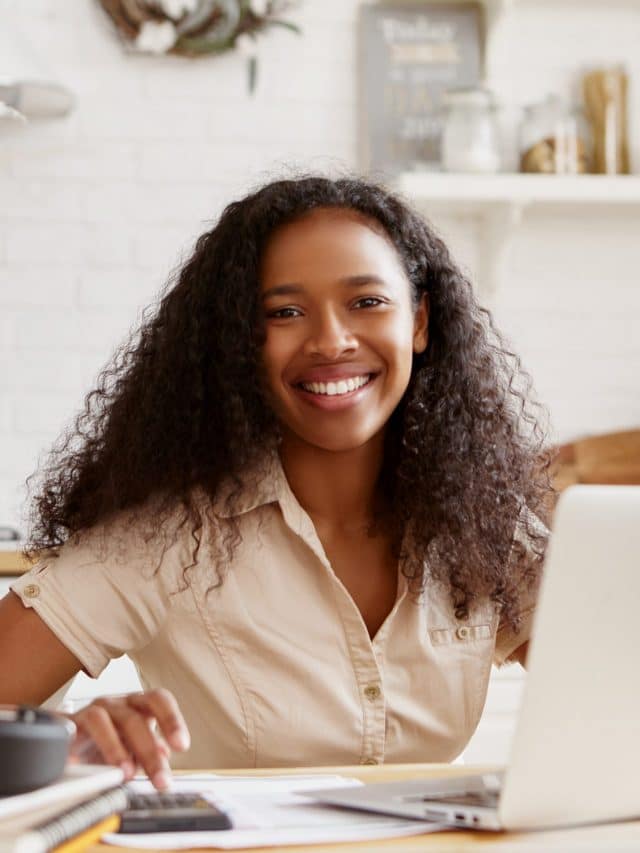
171,812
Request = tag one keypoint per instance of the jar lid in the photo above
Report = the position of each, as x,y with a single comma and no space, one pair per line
469,96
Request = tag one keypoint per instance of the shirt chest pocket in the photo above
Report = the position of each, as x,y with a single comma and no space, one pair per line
463,653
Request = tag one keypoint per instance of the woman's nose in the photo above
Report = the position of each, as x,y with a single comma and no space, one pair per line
330,337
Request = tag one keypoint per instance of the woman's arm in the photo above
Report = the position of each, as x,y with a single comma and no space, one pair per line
520,654
33,661
118,730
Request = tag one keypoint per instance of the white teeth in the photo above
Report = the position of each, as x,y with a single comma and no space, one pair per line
333,389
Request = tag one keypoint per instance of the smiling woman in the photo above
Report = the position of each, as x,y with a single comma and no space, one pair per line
304,499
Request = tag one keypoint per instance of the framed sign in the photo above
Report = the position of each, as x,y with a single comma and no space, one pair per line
410,54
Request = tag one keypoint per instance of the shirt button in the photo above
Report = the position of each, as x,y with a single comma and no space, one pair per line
31,590
369,761
462,633
372,692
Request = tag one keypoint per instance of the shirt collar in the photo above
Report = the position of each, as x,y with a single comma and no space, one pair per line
262,483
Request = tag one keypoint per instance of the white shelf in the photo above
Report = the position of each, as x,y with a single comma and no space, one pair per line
520,190
499,201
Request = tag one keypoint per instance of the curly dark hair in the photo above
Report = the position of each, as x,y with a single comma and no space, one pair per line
180,409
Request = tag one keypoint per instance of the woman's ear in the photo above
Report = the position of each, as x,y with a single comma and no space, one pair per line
421,325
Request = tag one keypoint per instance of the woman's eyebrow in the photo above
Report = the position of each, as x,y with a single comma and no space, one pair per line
282,290
350,280
362,280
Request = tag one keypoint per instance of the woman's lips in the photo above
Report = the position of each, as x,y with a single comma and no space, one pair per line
335,402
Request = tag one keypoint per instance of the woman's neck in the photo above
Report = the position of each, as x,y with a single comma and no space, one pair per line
336,488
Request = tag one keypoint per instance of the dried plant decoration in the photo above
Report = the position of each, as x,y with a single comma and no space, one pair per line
195,28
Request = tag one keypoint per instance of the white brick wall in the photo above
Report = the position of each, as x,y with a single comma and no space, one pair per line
97,208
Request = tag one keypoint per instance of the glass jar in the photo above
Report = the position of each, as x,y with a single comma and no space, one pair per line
554,138
470,138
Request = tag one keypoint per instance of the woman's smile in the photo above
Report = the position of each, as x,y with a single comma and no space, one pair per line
338,393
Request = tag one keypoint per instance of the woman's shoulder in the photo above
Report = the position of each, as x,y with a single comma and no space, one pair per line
163,534
144,539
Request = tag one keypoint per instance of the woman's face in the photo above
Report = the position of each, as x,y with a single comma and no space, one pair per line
340,326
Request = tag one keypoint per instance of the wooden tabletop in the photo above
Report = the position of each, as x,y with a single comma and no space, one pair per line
606,838
12,562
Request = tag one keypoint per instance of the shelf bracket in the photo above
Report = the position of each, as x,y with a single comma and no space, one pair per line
497,226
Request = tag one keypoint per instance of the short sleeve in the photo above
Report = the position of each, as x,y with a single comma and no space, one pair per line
106,592
509,641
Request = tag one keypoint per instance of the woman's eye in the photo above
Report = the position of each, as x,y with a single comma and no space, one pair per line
283,313
368,302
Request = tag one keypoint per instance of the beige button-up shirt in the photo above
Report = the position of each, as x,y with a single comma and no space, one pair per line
274,666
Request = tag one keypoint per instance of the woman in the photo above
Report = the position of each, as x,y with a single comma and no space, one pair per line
304,500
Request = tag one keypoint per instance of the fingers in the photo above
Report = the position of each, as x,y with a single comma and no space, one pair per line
123,730
163,707
137,731
99,738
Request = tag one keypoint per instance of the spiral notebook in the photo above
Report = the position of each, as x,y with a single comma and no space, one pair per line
79,782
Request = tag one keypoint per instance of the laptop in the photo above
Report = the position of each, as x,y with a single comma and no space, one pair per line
575,755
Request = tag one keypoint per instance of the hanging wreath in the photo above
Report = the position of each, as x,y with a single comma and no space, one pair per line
197,27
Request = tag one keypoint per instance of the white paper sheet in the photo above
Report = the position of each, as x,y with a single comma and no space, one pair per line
267,811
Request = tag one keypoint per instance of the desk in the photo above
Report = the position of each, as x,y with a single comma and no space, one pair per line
608,839
12,562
